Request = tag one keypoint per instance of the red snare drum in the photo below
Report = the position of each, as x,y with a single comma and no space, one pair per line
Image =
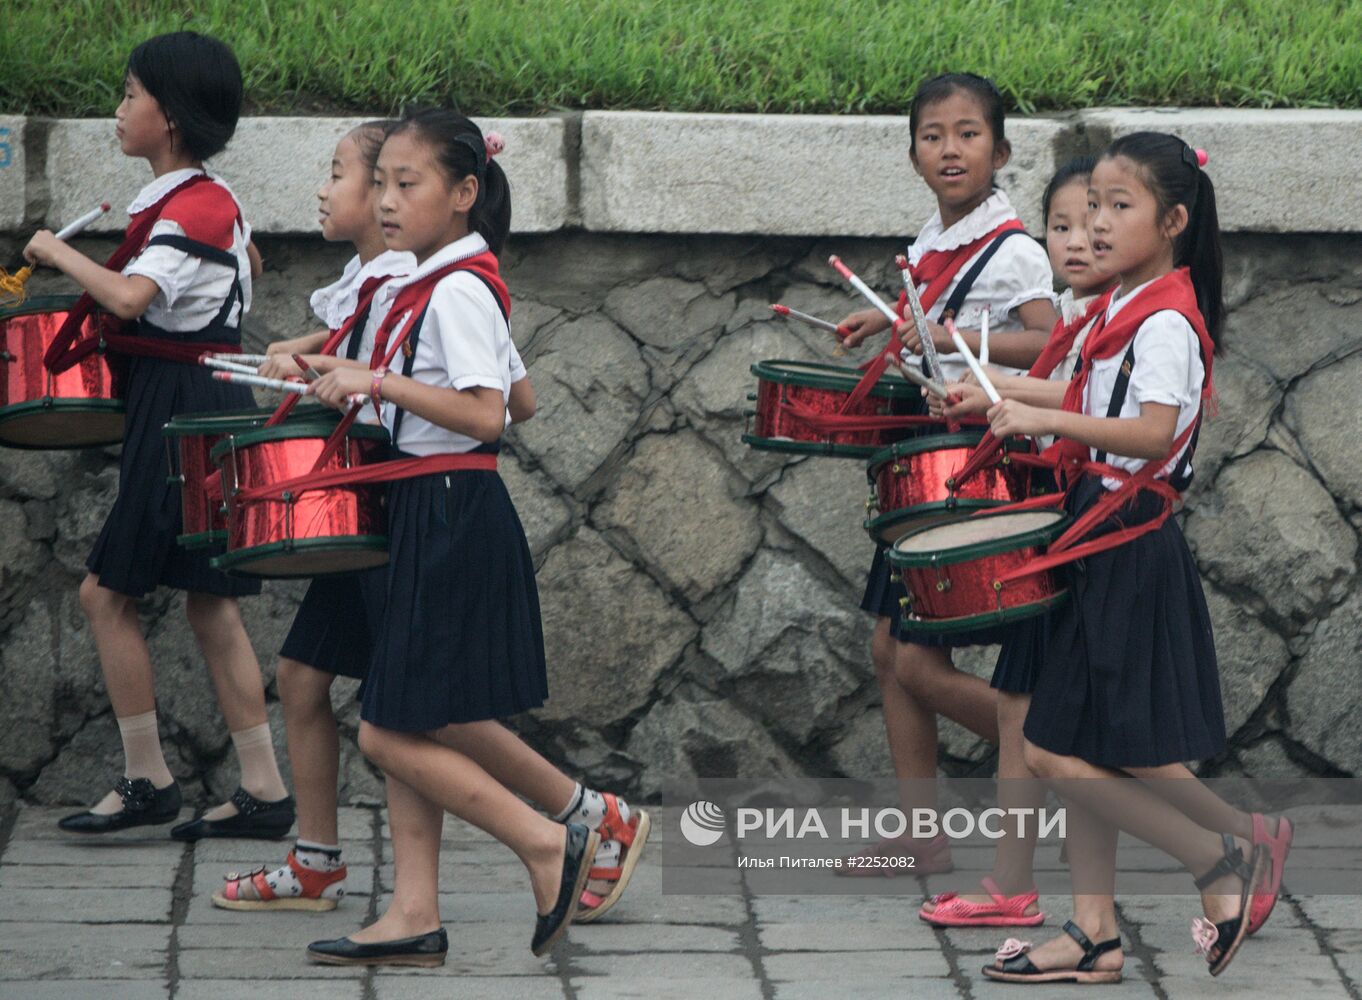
909,480
822,388
78,408
335,529
190,439
951,570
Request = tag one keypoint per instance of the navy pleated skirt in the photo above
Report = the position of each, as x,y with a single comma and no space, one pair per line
1023,651
1128,674
136,551
331,632
455,617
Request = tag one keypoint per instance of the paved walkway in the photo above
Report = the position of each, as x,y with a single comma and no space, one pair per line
131,919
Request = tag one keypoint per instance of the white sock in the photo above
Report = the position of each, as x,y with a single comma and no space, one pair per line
588,808
259,770
142,758
314,856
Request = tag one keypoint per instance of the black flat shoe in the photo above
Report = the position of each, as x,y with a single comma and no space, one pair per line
143,805
254,820
425,950
581,849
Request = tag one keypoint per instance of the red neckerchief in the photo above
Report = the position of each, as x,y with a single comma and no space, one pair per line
64,352
1062,337
1106,340
938,268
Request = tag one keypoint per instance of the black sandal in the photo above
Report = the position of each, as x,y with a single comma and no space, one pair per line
1014,966
143,805
1220,942
254,820
578,854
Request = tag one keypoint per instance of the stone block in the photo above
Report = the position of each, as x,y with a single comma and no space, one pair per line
1328,432
1323,700
13,173
1314,189
783,175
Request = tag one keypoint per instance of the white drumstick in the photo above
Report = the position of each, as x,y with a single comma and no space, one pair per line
865,290
282,385
71,229
209,361
973,363
930,359
243,359
983,338
917,378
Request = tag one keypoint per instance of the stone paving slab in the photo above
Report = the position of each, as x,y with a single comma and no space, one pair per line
81,989
854,967
390,987
896,989
93,906
281,963
264,989
648,989
36,951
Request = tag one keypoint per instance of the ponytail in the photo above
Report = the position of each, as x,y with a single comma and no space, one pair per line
1174,173
461,150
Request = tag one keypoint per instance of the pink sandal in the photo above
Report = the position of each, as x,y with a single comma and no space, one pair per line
1279,846
1005,911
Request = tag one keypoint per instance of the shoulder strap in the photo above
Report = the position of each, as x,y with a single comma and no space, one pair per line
408,363
208,252
1119,390
966,282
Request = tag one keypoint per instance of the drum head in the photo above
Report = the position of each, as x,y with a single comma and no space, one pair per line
888,528
790,446
981,535
62,423
216,422
814,375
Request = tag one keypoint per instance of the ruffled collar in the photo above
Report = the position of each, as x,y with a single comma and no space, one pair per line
337,302
988,216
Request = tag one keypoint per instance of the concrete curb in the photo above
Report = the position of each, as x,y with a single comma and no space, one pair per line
658,172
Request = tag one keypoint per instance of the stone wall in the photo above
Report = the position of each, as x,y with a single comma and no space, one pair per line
700,598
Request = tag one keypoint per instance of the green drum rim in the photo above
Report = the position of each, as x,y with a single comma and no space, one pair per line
808,447
927,442
226,421
201,539
830,377
237,561
974,550
295,429
40,304
965,506
970,623
52,404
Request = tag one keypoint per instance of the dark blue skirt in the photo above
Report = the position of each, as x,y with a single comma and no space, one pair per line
1021,655
1128,675
136,551
455,617
330,632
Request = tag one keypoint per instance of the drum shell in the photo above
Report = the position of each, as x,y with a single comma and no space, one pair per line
774,428
969,588
335,529
77,408
911,491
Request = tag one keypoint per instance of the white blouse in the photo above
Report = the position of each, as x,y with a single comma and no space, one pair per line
192,289
1167,370
1019,272
464,343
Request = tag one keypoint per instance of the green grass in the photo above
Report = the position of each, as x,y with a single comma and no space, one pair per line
862,56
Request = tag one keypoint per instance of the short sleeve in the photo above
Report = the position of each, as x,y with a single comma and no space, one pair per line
1030,295
1168,367
517,365
1023,273
173,270
468,322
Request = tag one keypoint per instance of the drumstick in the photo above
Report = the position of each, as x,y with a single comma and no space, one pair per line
804,317
929,355
310,374
973,363
72,228
931,385
864,289
243,359
209,361
282,385
983,338
12,285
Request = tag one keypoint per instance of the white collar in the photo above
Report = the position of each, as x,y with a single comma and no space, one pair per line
1071,308
1118,301
336,302
986,217
468,246
160,187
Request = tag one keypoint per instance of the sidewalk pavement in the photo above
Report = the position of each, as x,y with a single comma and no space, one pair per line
129,918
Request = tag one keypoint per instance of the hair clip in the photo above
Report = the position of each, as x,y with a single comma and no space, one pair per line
1194,158
494,143
1201,157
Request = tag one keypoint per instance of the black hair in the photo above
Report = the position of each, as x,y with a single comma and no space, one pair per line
461,151
197,82
1079,168
938,88
369,138
1170,169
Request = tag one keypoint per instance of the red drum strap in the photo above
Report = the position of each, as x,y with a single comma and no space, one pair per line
378,472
